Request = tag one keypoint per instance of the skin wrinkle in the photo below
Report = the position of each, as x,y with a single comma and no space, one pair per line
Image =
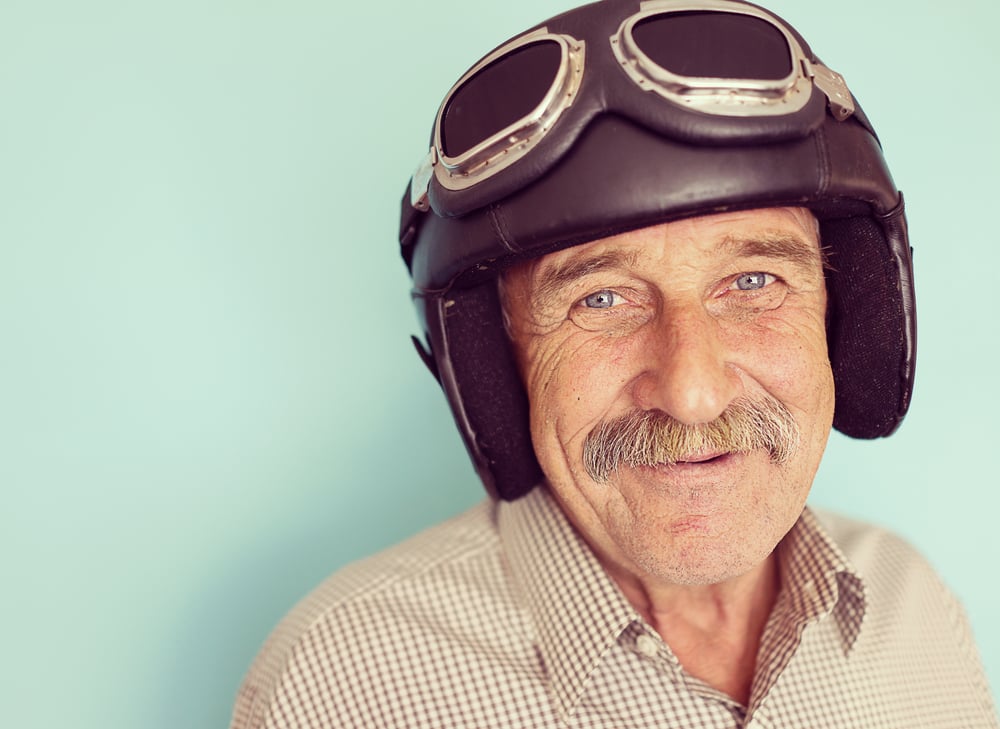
690,545
765,244
555,279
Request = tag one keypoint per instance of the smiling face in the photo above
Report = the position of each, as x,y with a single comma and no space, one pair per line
689,324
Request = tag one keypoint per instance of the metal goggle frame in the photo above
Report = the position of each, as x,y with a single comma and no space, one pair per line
639,47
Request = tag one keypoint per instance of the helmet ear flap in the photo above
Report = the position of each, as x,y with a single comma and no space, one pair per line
872,329
479,375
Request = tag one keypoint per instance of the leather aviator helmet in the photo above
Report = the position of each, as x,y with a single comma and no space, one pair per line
623,114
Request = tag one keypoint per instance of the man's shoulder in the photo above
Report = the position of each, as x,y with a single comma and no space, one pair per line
896,574
466,537
386,599
870,548
866,544
913,624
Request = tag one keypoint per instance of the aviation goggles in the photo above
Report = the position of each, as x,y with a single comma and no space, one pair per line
700,71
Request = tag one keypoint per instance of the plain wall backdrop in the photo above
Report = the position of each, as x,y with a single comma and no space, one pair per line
208,397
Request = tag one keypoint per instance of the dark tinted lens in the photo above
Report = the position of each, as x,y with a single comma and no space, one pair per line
505,91
715,45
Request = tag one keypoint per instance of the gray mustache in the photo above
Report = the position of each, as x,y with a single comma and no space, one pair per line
651,437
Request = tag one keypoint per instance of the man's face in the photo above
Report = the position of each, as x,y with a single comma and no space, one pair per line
689,320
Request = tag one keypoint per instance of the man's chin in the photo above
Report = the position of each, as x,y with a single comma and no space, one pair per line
701,564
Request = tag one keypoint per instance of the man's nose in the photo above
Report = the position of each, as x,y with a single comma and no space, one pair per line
688,373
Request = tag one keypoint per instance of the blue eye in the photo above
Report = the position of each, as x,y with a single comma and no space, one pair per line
601,300
752,280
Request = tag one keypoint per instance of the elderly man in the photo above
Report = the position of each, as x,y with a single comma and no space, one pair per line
657,255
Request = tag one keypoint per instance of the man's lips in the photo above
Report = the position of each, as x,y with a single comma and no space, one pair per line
697,458
696,463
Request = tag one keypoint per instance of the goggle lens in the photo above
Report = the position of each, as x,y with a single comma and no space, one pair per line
714,45
499,95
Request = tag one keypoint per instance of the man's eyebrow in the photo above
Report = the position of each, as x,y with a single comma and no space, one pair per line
782,246
778,245
557,276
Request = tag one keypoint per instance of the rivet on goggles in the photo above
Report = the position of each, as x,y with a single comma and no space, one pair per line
509,101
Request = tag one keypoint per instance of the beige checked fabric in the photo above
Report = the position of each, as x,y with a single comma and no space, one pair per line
502,617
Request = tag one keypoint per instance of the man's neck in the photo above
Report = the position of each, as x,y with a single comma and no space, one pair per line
714,630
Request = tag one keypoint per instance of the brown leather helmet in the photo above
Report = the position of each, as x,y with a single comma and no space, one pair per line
622,114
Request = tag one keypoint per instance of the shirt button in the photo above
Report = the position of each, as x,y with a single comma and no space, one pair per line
647,645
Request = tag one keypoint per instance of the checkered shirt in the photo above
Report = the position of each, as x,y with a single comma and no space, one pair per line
502,617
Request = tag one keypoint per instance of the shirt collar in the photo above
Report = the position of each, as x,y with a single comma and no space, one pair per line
579,613
819,580
577,610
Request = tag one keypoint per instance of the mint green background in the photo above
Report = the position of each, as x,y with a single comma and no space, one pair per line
208,399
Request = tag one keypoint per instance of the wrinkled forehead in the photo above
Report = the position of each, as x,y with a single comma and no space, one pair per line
788,232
